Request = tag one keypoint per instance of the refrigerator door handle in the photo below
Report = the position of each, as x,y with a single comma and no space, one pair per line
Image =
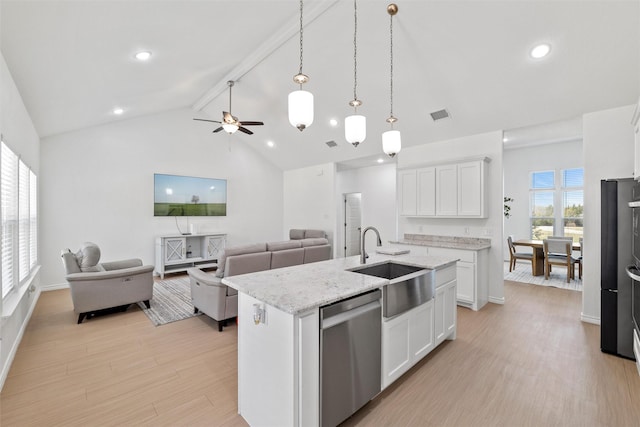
633,272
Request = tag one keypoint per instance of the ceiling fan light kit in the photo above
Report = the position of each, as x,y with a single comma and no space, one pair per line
301,101
391,140
355,126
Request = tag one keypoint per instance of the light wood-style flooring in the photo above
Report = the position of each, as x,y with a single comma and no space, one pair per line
530,362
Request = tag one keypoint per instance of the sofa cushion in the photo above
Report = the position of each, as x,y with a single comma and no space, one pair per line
286,244
314,242
247,263
287,258
310,234
238,250
296,234
317,253
88,257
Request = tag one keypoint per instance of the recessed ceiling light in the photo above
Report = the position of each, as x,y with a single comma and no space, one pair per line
143,56
380,161
270,144
117,111
333,122
540,51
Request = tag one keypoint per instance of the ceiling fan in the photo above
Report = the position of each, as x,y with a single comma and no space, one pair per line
230,123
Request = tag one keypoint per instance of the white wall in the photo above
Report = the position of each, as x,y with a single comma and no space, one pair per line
97,185
486,144
608,153
518,165
377,184
20,135
309,200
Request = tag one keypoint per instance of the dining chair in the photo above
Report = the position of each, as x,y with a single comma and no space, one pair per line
579,260
558,252
513,255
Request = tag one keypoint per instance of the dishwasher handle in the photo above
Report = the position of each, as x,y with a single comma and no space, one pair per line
345,316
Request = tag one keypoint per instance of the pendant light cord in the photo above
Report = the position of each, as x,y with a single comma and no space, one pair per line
391,68
301,38
355,50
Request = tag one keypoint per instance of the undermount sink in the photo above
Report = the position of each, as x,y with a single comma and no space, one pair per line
409,286
388,270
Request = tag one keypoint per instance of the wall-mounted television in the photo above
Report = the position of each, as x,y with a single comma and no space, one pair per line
176,195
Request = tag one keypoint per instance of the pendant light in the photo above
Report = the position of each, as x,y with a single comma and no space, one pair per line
300,101
391,143
355,126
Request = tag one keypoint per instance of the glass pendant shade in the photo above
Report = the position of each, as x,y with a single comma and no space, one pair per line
301,109
355,129
391,143
229,128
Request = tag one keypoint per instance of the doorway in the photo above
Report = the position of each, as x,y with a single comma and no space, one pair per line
352,223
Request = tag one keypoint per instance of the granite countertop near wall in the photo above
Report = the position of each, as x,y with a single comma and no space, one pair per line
450,242
303,287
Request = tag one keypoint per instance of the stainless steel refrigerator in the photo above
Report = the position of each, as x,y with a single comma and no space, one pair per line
616,322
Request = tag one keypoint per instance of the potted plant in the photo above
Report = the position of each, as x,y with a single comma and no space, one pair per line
507,207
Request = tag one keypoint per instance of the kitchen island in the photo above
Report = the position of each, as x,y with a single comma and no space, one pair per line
279,332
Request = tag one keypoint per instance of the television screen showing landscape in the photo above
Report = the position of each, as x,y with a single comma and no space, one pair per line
189,196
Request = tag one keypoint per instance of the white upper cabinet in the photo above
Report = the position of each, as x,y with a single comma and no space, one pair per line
426,193
471,189
407,192
447,190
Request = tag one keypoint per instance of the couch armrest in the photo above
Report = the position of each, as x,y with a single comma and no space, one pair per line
119,265
106,275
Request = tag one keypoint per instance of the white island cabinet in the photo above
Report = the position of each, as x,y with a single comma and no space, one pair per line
279,332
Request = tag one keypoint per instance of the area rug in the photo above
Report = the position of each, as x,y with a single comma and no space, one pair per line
557,278
171,301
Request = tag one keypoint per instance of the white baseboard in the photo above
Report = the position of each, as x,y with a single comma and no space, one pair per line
589,319
55,287
497,300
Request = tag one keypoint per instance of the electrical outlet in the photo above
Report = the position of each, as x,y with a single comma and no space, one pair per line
420,228
466,230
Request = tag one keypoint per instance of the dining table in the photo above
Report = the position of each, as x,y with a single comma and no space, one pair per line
538,253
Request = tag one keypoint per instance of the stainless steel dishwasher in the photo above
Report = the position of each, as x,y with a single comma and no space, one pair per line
350,359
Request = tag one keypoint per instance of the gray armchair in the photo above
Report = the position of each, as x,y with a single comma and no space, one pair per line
107,286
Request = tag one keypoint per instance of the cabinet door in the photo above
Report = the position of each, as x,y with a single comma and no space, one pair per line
450,308
396,356
446,190
470,186
214,246
421,331
174,249
438,319
466,278
426,178
407,192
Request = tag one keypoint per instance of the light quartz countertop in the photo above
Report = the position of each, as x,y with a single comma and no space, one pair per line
450,242
304,287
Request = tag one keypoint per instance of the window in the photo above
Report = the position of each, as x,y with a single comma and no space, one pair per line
573,203
18,202
546,193
542,204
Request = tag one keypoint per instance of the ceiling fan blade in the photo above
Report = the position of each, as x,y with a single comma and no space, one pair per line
207,120
252,123
218,130
247,131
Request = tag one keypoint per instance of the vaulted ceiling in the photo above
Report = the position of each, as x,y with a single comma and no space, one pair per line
73,62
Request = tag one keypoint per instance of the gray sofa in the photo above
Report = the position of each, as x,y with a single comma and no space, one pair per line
220,302
105,287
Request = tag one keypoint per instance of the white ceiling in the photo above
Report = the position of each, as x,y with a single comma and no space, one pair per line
73,62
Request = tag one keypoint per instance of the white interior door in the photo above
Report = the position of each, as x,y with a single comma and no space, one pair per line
352,223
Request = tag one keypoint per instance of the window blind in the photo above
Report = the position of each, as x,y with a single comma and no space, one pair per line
33,216
9,203
24,221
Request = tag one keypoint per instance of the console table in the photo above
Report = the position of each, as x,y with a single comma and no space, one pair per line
180,252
